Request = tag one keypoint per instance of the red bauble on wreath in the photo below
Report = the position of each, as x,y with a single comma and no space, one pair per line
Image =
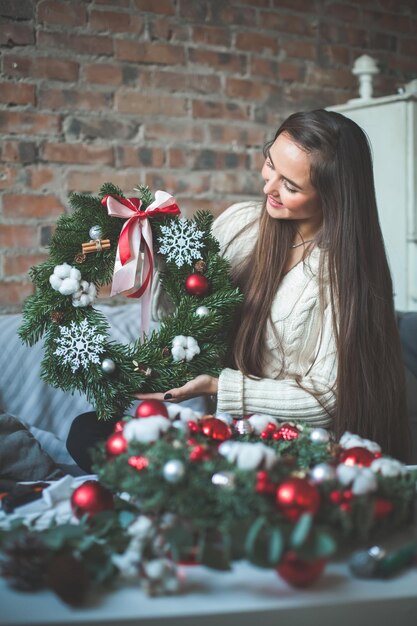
91,498
296,496
215,429
116,444
196,285
357,456
148,408
298,572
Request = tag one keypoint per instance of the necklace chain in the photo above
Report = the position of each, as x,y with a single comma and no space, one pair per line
297,245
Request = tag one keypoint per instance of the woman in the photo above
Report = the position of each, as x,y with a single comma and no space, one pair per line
316,339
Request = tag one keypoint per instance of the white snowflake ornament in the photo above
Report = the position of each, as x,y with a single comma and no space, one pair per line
65,279
184,348
181,242
80,345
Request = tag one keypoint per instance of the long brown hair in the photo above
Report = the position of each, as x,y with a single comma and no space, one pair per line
370,383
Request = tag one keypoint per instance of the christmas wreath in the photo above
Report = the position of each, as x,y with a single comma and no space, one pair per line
180,488
123,234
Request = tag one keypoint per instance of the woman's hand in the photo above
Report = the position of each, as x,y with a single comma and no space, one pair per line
203,385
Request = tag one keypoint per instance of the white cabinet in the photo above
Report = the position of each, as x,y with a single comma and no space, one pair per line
391,125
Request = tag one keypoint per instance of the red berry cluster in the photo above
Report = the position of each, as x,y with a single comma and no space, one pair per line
285,432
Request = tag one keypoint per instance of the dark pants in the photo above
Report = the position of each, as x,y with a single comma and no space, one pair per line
85,433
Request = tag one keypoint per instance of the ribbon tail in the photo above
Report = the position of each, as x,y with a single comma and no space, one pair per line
145,290
124,275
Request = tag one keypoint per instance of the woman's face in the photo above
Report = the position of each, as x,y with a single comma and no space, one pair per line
289,192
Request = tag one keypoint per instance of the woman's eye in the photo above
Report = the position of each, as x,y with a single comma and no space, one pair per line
269,164
289,188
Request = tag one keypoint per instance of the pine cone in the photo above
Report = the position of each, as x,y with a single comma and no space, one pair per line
24,563
68,577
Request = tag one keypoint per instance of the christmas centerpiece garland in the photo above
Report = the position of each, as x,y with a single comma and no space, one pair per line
78,352
176,488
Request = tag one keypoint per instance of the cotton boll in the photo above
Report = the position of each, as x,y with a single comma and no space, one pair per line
260,422
179,340
146,430
55,281
178,353
388,467
188,415
270,456
75,274
85,295
68,286
229,449
346,473
62,271
349,440
250,457
365,482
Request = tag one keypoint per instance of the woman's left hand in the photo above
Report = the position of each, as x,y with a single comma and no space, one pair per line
203,385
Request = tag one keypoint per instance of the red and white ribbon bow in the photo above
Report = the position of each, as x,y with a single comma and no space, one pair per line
136,236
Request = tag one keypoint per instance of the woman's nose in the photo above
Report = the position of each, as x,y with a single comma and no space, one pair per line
270,186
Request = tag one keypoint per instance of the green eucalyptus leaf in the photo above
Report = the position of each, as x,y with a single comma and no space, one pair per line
301,530
276,546
253,534
324,544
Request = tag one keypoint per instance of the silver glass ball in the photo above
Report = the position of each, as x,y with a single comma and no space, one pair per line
225,417
108,366
95,232
243,427
319,435
322,472
173,471
202,311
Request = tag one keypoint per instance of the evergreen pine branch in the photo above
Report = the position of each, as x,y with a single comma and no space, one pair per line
145,195
108,189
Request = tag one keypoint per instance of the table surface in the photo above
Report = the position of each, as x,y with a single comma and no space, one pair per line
243,597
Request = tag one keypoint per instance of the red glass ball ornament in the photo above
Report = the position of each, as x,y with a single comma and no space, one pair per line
216,429
296,496
357,456
138,462
271,427
286,432
298,572
91,498
193,427
382,508
265,435
116,444
198,453
148,408
196,285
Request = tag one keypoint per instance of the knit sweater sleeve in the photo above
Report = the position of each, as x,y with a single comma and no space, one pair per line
311,399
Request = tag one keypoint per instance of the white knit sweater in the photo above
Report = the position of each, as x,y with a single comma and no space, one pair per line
306,337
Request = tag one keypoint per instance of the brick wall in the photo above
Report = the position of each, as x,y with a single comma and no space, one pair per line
177,94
